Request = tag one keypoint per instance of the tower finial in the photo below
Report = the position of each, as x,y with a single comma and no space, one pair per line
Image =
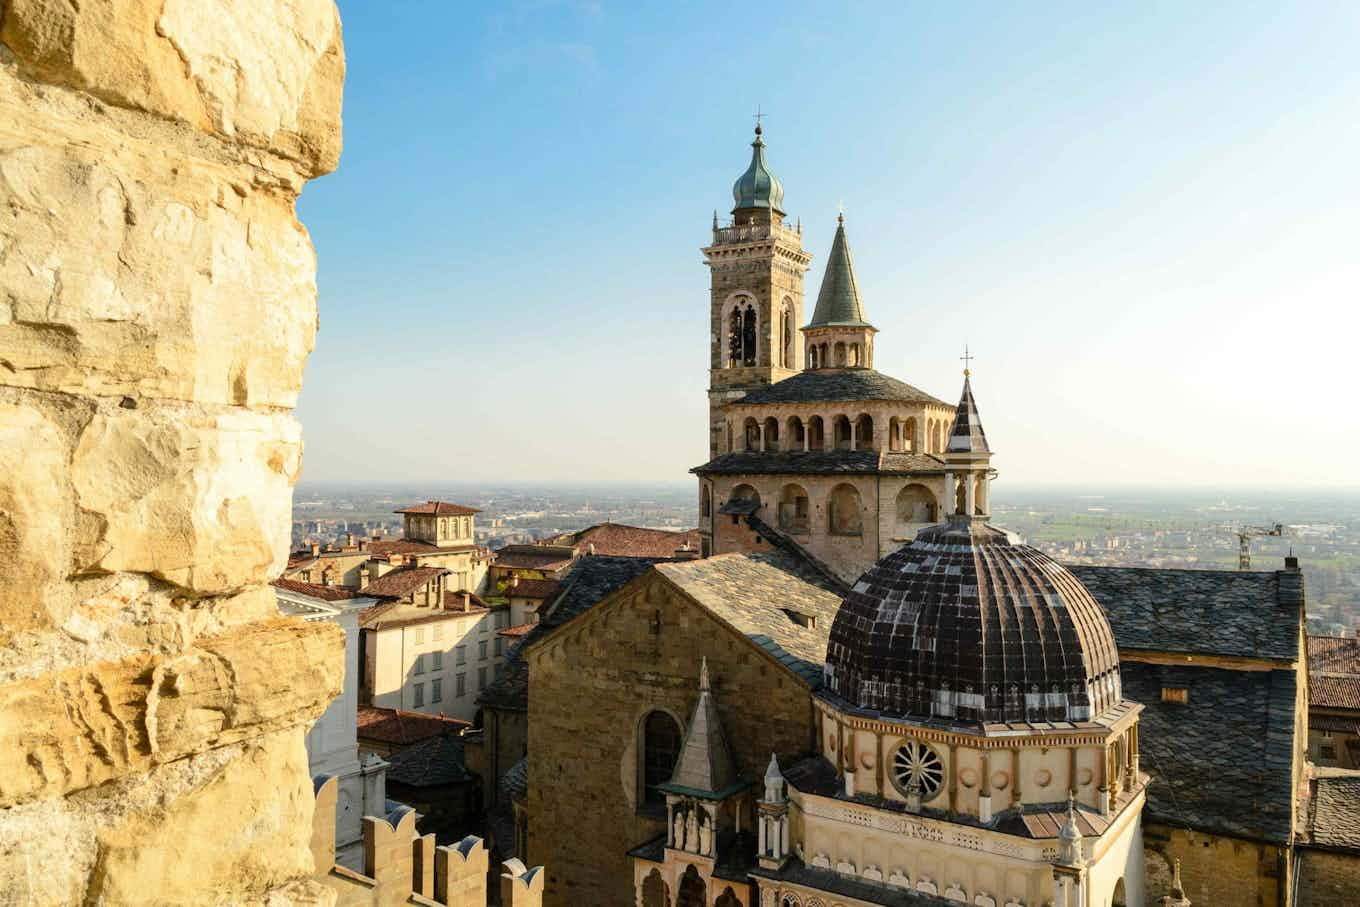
758,115
967,359
840,213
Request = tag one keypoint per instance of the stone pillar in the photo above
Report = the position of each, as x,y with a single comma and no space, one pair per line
460,873
158,306
969,504
422,866
389,856
948,505
521,887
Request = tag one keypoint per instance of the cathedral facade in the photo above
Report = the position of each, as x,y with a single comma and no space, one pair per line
806,438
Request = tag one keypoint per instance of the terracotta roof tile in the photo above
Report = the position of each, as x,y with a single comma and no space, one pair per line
404,728
402,582
620,540
439,508
1334,654
1334,691
518,631
541,589
388,547
315,590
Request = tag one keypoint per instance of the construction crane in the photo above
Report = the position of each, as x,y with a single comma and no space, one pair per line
1244,536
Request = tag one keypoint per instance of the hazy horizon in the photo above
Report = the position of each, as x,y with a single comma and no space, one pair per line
1141,220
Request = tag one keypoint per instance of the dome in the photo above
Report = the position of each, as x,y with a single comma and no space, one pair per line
967,626
758,187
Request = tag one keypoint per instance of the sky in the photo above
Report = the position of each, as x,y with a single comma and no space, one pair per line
1143,220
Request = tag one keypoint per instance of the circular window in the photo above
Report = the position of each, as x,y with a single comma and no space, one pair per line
915,764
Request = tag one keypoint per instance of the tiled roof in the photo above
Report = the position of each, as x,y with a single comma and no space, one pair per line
821,462
315,590
439,508
619,540
1334,691
1336,654
1247,614
392,614
515,632
402,581
1223,760
755,593
435,762
1334,813
515,781
403,728
966,434
386,547
533,557
589,580
838,301
838,386
541,589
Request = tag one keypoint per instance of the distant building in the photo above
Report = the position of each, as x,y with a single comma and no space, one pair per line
621,540
332,743
1334,701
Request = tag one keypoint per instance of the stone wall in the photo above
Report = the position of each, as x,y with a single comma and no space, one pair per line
1215,869
157,305
592,684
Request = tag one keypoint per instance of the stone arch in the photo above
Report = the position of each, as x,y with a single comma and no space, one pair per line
794,513
771,433
654,893
816,433
789,899
742,333
728,899
864,432
659,747
705,502
844,515
751,434
844,437
795,435
693,891
1120,898
916,504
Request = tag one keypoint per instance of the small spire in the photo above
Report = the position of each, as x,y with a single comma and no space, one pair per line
838,301
967,358
966,435
772,772
1177,890
703,675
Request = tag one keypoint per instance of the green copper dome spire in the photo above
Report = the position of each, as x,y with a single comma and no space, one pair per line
758,187
838,301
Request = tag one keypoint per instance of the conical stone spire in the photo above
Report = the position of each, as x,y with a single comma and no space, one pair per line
967,435
1069,836
838,302
705,764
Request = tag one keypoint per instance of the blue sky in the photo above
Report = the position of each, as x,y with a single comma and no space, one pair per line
1142,218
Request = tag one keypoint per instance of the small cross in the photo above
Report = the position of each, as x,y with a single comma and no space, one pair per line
967,360
758,115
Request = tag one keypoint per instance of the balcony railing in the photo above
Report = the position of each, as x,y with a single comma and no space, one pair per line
742,233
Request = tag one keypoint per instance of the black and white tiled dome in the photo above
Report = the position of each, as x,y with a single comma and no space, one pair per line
966,626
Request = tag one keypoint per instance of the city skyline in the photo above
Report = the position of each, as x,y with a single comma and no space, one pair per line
1131,284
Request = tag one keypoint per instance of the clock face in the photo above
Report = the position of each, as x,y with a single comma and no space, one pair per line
917,764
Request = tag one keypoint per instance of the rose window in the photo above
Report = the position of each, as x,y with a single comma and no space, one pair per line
914,763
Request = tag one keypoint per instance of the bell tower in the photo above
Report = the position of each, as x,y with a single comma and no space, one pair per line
757,263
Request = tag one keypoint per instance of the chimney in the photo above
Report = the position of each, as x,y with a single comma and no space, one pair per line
349,540
467,601
316,549
1291,563
363,576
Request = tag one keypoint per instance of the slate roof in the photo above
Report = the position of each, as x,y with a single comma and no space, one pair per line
589,580
838,386
821,462
403,728
515,781
1223,760
1334,654
1247,614
964,614
1334,811
533,557
620,540
435,762
966,434
796,873
439,508
403,581
316,590
755,593
838,301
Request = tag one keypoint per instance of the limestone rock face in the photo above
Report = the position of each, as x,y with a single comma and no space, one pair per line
157,305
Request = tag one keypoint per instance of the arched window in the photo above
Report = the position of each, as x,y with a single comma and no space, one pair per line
894,434
840,354
654,892
728,899
745,493
742,331
843,511
752,433
786,332
915,504
864,433
693,892
816,434
793,509
748,337
660,748
771,433
845,437
705,502
794,435
909,435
